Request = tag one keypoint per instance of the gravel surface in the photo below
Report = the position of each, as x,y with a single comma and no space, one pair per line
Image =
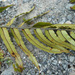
50,64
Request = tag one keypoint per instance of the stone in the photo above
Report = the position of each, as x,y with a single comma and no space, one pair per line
65,66
54,62
30,47
10,1
71,58
24,1
48,71
49,19
68,22
69,17
74,14
63,21
8,71
53,16
73,20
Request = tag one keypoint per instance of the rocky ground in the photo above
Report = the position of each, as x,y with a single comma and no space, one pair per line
50,64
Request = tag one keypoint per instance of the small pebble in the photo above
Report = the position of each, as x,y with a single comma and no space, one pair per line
69,17
68,22
71,58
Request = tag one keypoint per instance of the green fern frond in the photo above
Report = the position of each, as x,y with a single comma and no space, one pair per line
58,38
54,43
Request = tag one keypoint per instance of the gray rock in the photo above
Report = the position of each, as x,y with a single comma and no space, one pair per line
24,1
60,73
8,71
54,62
71,58
10,1
74,14
53,17
48,71
64,66
49,19
52,58
73,20
62,21
30,47
68,22
69,17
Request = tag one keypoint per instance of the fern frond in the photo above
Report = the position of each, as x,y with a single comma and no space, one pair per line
58,42
55,40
